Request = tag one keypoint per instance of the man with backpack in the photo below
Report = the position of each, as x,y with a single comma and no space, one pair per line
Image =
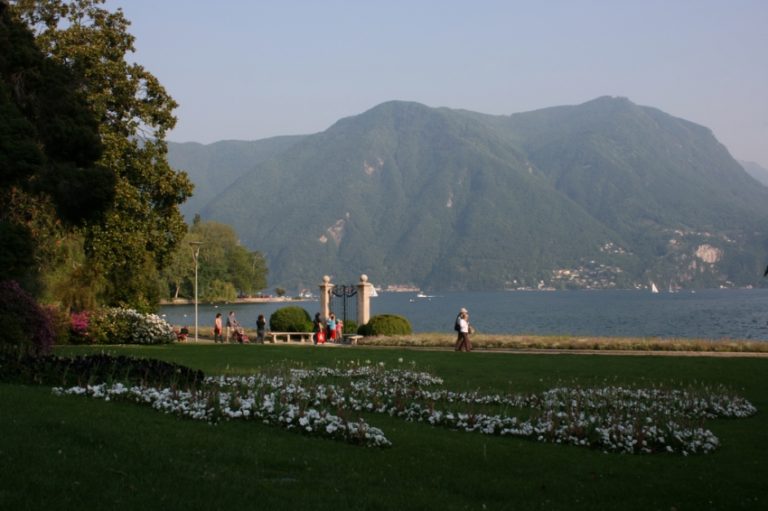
462,327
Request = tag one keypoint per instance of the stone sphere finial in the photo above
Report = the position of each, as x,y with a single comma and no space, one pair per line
326,279
363,278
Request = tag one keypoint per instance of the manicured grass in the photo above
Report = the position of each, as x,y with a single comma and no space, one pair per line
570,342
77,453
482,341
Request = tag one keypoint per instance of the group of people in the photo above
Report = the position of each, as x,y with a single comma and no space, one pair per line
235,332
329,330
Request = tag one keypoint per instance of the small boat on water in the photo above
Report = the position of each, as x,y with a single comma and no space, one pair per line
654,289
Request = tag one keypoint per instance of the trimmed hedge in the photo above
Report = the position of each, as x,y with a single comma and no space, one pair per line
94,369
290,319
386,324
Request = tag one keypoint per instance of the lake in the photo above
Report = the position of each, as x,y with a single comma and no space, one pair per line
708,314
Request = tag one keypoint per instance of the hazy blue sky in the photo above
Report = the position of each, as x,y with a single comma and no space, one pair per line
254,69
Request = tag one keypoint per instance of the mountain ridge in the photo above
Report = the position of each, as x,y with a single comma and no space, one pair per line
213,167
454,199
755,170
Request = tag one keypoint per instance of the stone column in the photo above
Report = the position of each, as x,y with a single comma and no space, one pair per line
364,291
325,297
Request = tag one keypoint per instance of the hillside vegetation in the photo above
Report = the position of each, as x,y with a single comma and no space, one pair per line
599,195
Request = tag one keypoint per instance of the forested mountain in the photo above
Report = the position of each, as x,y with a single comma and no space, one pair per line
213,167
603,194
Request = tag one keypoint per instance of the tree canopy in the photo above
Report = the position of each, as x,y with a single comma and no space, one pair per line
226,269
50,148
131,113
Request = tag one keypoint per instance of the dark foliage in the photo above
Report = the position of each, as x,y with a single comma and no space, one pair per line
93,369
17,252
80,194
49,143
51,140
27,327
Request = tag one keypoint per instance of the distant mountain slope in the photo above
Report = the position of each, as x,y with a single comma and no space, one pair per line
758,172
625,163
405,193
644,174
604,194
214,167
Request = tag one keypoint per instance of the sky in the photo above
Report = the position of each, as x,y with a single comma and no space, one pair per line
248,70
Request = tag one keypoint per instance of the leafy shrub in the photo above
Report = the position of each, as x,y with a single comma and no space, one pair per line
94,369
386,324
290,319
60,322
26,325
127,326
350,326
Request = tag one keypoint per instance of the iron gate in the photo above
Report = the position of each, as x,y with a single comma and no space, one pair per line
343,302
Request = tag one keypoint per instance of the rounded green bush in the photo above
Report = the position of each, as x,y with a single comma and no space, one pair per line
290,319
386,324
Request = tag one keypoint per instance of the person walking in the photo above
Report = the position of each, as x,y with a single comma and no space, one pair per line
462,327
261,329
232,325
217,329
317,327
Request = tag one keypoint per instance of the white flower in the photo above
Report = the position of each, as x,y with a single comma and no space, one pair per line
614,419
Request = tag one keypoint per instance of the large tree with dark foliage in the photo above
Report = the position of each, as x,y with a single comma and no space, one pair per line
49,149
128,246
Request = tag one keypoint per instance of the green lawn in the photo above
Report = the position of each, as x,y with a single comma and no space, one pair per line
78,453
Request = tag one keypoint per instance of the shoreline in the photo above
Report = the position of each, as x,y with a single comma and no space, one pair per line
271,299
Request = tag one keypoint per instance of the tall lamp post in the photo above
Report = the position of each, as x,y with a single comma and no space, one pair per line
195,253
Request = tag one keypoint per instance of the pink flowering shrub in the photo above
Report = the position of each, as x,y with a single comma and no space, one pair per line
78,328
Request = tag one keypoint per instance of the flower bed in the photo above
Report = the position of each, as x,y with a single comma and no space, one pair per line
610,418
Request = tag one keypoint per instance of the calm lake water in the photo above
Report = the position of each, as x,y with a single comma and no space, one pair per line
709,314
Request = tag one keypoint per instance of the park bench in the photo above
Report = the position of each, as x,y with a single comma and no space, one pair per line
289,336
305,337
352,339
